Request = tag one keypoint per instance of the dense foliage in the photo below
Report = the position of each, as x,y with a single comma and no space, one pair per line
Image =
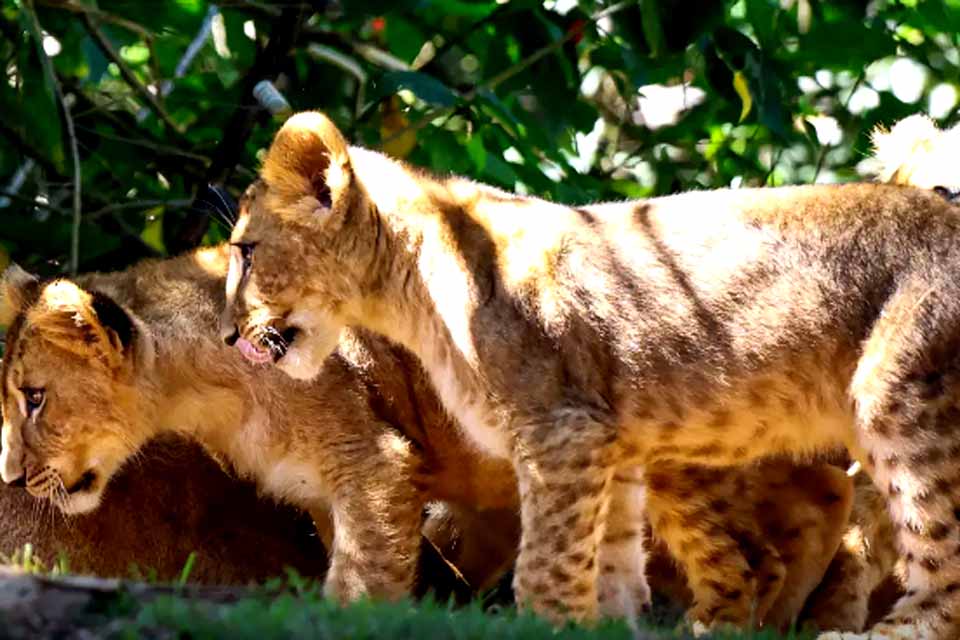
141,103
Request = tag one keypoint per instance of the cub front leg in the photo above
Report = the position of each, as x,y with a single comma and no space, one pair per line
376,538
564,471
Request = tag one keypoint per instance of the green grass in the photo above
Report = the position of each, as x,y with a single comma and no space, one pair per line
303,613
292,607
27,561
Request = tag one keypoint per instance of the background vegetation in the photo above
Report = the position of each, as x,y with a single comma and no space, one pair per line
114,114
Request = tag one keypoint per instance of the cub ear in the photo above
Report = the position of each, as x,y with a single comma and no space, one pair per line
90,324
308,157
17,289
901,149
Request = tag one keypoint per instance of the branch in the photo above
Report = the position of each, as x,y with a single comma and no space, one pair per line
102,16
71,133
283,35
137,204
508,73
491,83
130,78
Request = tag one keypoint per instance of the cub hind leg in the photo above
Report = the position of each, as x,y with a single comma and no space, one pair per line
705,518
803,511
907,394
866,557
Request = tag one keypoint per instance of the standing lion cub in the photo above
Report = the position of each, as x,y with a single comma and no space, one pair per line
584,344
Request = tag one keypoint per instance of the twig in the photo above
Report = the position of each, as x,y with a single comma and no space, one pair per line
283,34
346,63
16,182
137,204
534,57
102,16
193,49
32,202
71,133
128,75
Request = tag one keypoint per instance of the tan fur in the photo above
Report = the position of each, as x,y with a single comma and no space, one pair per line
579,343
371,393
758,552
175,389
914,152
365,440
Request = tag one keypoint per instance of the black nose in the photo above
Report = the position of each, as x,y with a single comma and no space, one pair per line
232,338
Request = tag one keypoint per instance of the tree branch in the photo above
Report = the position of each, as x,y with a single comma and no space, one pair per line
130,77
283,35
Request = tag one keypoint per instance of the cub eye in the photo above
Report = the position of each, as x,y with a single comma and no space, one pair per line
34,400
246,254
947,193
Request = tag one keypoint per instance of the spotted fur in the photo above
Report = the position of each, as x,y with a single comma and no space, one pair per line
580,343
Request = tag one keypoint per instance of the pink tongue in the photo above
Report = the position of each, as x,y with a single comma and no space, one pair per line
252,353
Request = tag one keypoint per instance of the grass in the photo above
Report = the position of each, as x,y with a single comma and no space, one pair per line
293,607
25,560
307,615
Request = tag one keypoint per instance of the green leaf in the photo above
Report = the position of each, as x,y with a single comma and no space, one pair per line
425,87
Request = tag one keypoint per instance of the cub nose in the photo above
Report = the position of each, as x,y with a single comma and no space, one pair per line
231,337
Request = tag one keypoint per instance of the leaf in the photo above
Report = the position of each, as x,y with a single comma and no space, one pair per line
425,87
152,234
742,88
652,29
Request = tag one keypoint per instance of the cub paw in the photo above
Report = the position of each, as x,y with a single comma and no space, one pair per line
623,595
886,632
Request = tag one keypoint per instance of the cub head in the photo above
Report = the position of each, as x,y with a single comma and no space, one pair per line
66,386
299,249
915,152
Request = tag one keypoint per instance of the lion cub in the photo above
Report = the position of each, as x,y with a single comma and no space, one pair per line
97,367
585,344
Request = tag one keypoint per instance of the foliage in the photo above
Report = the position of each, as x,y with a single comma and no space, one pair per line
548,97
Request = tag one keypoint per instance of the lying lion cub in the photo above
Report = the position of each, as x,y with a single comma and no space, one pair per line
97,367
148,525
584,344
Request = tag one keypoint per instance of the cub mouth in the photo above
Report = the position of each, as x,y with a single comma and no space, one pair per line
85,482
272,345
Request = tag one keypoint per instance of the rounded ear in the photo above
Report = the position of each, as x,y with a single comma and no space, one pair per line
85,323
896,149
17,289
308,157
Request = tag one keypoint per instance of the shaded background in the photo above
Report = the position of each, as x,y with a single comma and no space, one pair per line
141,103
